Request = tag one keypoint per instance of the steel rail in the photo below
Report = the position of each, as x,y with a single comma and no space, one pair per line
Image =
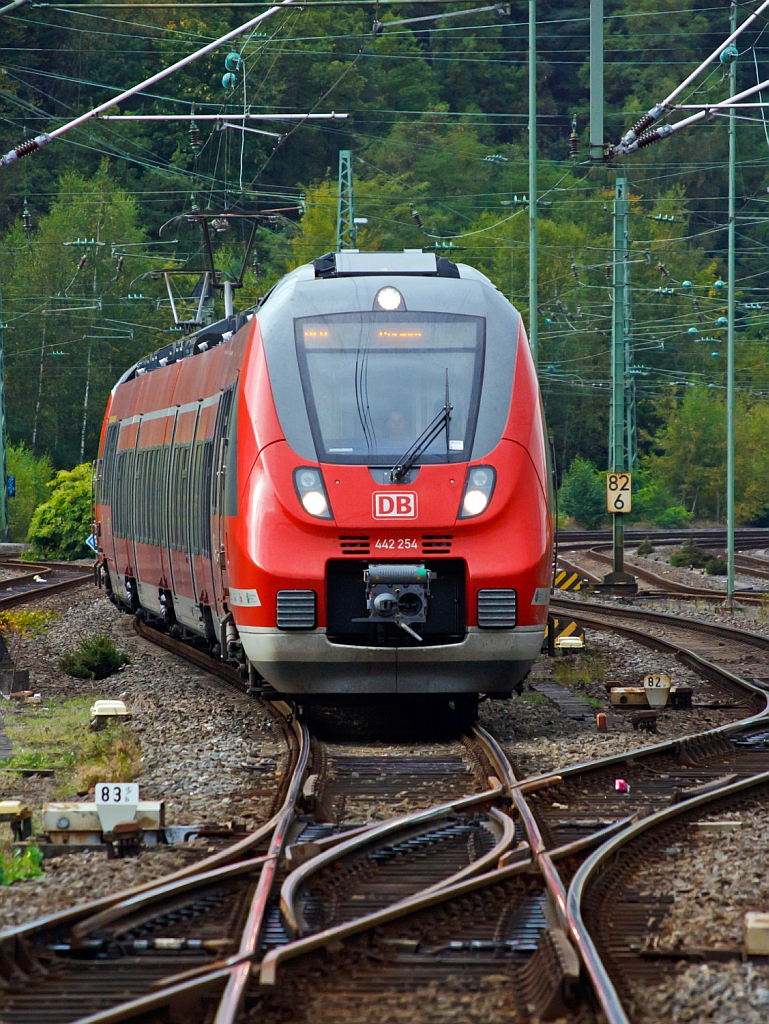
699,664
675,586
745,534
599,975
536,842
233,973
705,667
169,888
602,984
249,943
374,834
746,636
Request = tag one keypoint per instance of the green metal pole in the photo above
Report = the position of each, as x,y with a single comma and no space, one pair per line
730,335
533,270
596,79
346,231
619,334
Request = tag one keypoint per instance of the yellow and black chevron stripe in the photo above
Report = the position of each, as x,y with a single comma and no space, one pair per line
567,580
557,628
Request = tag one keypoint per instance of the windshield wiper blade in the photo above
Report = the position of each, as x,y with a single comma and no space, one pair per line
425,439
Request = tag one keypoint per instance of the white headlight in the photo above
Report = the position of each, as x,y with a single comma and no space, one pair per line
475,502
316,504
389,298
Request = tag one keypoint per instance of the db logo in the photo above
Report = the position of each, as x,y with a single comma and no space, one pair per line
398,505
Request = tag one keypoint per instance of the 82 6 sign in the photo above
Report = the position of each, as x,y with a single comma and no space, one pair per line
618,492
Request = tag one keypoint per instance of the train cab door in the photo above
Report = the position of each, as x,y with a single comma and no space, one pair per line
106,494
224,493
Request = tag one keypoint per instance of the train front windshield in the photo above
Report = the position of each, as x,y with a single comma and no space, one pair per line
374,382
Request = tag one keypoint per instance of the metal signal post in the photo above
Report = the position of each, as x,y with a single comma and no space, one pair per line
620,334
730,334
596,80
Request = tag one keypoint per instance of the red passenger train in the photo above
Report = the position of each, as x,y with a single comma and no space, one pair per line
345,490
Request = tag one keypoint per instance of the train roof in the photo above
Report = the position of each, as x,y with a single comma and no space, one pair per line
345,264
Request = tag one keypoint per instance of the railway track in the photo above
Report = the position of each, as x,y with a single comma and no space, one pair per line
174,942
613,916
390,875
620,899
39,580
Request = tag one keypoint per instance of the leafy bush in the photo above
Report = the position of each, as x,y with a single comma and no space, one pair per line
60,525
672,517
19,866
582,495
645,547
27,621
32,474
96,658
716,567
650,498
690,555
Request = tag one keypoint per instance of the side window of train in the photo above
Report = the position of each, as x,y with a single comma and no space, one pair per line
116,494
180,462
123,493
163,488
201,496
106,476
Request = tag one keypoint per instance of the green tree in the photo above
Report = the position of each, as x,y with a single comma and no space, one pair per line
60,525
32,474
691,457
582,495
71,330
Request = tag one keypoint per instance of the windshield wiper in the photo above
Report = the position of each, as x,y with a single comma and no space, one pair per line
425,439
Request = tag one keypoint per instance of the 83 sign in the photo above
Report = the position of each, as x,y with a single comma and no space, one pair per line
618,492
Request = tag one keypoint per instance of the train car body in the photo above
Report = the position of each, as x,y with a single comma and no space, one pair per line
346,490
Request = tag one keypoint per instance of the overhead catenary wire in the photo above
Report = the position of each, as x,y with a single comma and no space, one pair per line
659,109
42,140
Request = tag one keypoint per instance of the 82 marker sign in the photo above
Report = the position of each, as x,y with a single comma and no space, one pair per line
618,492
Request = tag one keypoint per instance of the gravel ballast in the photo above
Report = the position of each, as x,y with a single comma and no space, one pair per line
211,753
539,737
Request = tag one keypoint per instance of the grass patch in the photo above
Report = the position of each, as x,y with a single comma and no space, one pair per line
645,547
57,736
579,668
96,658
27,622
532,697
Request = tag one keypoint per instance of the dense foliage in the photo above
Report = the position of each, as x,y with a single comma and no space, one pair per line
61,524
31,473
437,127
